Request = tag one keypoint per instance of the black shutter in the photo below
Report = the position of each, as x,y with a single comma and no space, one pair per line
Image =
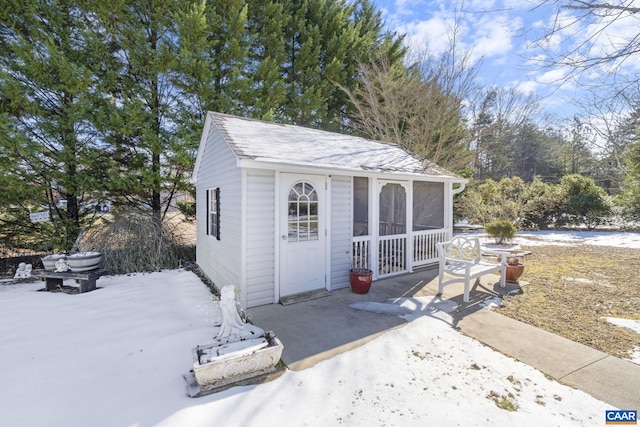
207,212
218,213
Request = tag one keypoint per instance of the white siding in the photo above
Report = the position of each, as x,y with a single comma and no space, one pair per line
246,254
260,224
341,212
220,259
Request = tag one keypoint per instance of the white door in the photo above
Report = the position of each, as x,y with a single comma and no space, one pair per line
302,233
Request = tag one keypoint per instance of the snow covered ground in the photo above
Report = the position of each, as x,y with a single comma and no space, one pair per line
598,238
116,356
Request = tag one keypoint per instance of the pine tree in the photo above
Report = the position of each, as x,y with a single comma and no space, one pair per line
48,153
229,44
148,127
267,21
325,41
107,99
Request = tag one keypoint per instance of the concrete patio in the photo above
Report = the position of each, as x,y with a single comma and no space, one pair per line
319,329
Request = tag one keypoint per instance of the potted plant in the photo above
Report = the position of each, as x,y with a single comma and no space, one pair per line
360,279
360,276
500,229
84,261
514,270
49,261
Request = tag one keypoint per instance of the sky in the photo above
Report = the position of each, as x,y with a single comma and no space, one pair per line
504,34
116,356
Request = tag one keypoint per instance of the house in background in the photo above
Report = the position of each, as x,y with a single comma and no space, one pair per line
283,210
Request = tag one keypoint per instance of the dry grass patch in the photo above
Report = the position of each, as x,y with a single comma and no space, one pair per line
572,287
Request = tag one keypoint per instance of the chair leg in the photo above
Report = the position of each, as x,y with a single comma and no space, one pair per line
466,289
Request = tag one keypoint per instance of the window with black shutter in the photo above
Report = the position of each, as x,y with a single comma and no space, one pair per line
213,216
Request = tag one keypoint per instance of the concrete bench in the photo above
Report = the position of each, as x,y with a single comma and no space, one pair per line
461,257
55,279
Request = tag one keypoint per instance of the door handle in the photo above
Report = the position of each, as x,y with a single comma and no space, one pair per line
283,237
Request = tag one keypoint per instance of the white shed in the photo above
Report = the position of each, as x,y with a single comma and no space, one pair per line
284,210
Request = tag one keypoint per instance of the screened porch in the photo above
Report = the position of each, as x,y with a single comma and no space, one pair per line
397,224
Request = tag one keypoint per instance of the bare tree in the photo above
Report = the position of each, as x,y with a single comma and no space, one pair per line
613,123
420,106
606,119
593,38
498,118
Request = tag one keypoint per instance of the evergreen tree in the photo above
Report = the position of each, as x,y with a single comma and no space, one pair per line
48,151
149,126
282,59
267,21
107,99
629,146
229,44
326,41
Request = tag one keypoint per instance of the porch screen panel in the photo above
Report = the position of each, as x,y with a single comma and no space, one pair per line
393,210
360,206
428,205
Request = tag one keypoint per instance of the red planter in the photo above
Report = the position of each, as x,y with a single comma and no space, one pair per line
360,281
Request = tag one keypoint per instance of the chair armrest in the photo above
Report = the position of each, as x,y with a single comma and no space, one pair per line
459,261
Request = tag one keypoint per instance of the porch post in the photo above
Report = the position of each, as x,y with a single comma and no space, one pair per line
448,209
374,227
409,222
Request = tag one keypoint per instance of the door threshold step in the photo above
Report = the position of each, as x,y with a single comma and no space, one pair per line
304,296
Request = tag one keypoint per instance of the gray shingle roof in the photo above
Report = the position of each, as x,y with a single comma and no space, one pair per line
268,142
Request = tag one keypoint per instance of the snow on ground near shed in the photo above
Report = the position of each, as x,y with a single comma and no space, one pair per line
565,238
116,356
597,238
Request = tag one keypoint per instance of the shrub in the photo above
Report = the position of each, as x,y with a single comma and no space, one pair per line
629,199
490,200
576,201
501,229
584,202
135,241
542,203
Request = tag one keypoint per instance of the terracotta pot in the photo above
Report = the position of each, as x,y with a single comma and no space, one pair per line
360,281
514,272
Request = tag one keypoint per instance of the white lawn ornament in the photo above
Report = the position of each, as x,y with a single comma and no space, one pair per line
239,352
61,266
232,325
23,271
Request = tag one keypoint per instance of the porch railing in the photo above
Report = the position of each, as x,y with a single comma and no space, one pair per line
393,253
361,252
424,245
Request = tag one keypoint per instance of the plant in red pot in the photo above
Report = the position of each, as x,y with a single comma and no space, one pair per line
360,275
360,279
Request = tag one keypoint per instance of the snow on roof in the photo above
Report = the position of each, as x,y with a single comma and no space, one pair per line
275,143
